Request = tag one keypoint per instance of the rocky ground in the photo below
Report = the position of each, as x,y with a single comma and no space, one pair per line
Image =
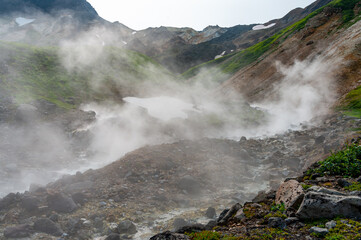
166,187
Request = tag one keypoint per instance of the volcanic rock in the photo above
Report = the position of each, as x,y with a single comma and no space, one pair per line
127,227
321,205
61,203
170,236
290,193
45,225
20,231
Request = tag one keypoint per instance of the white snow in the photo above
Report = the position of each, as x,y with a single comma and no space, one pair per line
134,32
124,42
260,27
163,108
221,55
23,21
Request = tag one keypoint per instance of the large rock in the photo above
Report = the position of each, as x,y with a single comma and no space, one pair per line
45,225
322,205
61,203
290,193
127,227
234,209
20,231
30,203
8,200
170,236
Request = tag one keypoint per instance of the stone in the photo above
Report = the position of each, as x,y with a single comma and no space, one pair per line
79,198
325,190
291,220
61,203
317,230
189,184
211,224
113,236
127,227
223,213
45,225
234,209
170,236
276,222
8,200
290,194
264,196
211,213
321,205
30,203
331,224
20,231
179,223
343,183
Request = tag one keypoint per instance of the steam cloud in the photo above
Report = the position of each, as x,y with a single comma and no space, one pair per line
304,93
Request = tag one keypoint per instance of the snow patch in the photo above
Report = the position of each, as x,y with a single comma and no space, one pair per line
134,33
23,21
124,42
221,55
163,108
260,27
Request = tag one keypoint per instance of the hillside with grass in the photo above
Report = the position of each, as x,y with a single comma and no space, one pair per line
29,73
348,11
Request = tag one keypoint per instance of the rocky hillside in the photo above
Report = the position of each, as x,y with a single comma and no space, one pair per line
182,49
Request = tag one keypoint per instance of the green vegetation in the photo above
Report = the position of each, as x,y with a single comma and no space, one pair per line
356,186
345,230
346,162
232,63
305,186
352,103
277,210
263,234
31,73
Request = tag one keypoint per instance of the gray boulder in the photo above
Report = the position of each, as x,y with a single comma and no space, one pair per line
45,225
61,203
20,231
322,205
234,209
320,231
127,227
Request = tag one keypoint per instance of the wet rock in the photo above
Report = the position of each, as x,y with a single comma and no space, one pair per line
113,236
321,205
290,193
20,231
179,223
331,224
45,225
343,183
320,231
189,184
61,203
211,213
170,236
276,222
127,227
234,209
30,203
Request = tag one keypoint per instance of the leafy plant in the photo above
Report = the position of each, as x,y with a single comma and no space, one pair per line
346,162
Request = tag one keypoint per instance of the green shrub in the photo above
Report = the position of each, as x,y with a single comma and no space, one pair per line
346,162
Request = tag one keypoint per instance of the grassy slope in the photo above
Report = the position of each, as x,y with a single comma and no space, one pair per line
32,73
232,63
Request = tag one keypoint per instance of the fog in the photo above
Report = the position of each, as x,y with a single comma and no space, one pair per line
146,105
